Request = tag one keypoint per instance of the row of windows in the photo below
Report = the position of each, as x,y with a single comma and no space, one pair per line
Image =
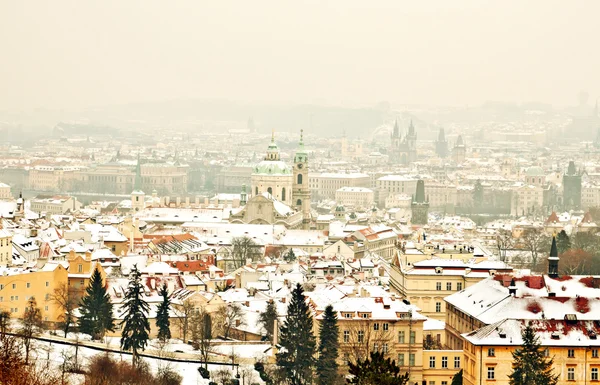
432,360
438,286
491,373
28,284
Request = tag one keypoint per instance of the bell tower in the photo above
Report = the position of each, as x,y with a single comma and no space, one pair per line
300,189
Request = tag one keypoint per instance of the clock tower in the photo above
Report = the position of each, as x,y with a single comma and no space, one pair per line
301,189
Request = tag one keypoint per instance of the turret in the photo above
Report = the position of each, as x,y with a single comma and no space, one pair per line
553,260
243,196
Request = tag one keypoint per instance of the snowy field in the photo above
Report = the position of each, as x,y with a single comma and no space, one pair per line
53,353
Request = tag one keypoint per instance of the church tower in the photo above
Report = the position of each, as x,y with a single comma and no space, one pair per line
138,197
459,153
411,141
419,206
553,260
300,189
441,145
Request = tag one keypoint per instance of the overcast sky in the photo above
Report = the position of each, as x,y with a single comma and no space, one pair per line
64,54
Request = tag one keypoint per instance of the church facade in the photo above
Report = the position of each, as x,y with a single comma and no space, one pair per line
403,147
275,184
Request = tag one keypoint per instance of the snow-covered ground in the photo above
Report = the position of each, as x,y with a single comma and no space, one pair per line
188,370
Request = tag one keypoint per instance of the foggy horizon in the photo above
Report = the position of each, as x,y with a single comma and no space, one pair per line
72,55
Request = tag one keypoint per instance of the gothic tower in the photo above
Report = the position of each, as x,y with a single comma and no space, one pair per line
300,188
419,206
572,188
138,197
441,145
411,141
459,153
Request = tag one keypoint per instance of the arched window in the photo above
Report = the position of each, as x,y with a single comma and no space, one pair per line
299,178
299,202
256,190
283,194
270,190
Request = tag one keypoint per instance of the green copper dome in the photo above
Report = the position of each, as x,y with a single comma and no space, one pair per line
272,167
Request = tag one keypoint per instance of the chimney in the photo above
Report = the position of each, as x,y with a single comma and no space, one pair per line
512,289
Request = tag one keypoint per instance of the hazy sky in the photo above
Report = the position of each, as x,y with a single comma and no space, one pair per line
63,54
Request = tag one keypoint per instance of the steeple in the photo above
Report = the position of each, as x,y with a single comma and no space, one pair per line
571,169
137,185
411,128
553,260
396,130
420,193
301,155
272,150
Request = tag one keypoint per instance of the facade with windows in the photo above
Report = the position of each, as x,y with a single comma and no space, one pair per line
425,283
439,366
368,323
17,286
572,344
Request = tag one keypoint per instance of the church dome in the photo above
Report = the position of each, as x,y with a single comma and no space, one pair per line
272,167
534,171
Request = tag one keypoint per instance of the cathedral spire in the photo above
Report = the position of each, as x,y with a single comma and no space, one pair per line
411,128
396,130
137,185
273,135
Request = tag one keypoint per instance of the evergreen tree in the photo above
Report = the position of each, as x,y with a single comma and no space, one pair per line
458,378
136,328
267,319
296,358
328,348
96,309
290,256
530,367
376,370
563,243
162,314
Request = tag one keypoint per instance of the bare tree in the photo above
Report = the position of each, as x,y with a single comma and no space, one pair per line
244,248
32,323
535,241
504,241
362,337
4,321
247,376
228,316
66,300
184,313
222,376
201,328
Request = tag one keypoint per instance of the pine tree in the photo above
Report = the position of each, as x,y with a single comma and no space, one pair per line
96,309
136,328
267,319
457,379
530,367
563,243
290,256
162,315
296,357
376,370
328,348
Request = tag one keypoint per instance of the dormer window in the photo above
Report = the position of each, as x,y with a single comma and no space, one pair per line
439,270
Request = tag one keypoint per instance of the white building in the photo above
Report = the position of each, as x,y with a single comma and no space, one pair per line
324,185
526,199
355,197
5,191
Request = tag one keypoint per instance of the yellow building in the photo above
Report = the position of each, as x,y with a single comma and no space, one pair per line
426,282
18,285
368,322
572,344
5,246
80,271
439,366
